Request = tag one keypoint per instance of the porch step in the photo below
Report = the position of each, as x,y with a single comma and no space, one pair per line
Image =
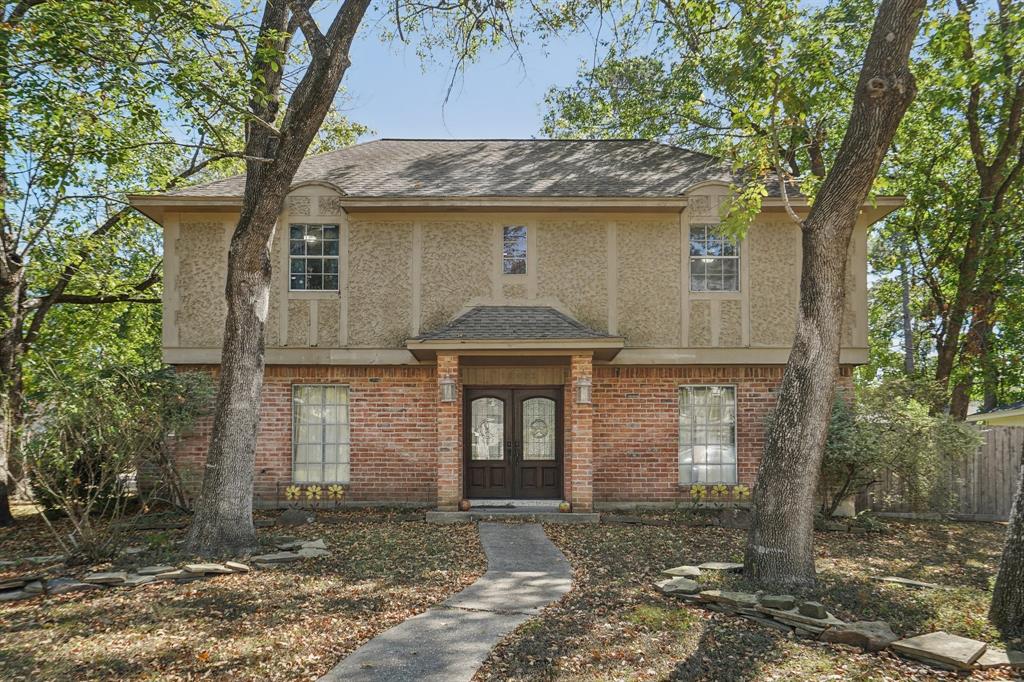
521,515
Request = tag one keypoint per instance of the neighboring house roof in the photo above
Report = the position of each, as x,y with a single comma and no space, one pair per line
493,168
1010,410
507,327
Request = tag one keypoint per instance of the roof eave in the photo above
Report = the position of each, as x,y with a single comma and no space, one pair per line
995,414
603,348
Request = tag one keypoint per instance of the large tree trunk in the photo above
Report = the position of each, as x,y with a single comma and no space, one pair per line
1007,611
223,519
780,544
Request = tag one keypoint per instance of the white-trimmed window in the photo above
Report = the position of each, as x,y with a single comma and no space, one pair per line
320,434
312,257
714,260
707,434
513,250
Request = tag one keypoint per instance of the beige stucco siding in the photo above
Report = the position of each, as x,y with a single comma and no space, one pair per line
774,249
202,252
648,297
403,273
458,261
379,282
572,261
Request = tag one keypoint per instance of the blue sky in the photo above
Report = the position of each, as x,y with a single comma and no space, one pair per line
497,96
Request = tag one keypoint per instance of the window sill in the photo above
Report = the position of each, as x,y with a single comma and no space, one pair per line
308,295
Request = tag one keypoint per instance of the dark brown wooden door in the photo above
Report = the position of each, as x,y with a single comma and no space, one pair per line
512,443
537,456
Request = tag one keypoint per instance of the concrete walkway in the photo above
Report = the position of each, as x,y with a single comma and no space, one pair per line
449,642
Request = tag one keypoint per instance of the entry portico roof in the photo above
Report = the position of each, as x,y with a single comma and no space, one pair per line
497,328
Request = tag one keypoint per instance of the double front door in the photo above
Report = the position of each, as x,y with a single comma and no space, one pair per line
513,443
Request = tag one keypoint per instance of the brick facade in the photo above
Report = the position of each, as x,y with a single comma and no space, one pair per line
406,443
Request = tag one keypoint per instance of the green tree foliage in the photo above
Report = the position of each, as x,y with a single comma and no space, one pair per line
97,447
98,100
959,160
889,427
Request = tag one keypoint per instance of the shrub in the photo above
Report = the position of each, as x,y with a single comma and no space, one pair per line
888,427
89,440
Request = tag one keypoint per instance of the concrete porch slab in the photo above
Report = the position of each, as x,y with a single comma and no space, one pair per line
527,515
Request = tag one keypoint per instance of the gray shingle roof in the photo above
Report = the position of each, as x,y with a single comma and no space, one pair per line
512,323
1002,408
498,168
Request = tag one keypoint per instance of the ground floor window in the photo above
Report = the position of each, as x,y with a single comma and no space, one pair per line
707,434
320,434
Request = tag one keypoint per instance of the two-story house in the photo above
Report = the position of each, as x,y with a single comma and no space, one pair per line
504,319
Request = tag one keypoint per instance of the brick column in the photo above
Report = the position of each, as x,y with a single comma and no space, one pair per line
449,454
581,419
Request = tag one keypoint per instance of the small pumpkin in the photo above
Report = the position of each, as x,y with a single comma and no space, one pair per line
565,507
464,505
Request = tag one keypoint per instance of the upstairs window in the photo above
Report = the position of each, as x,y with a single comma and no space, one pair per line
513,254
714,260
313,257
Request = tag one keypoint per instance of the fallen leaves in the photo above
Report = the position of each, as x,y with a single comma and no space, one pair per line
289,623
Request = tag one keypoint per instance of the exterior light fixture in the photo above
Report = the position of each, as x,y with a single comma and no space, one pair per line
448,390
583,391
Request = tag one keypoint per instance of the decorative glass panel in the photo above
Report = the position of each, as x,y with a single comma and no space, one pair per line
714,260
320,434
488,428
707,434
539,429
313,256
513,255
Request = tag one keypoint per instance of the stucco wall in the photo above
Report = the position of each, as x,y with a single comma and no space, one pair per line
571,263
380,282
405,273
649,281
202,255
458,261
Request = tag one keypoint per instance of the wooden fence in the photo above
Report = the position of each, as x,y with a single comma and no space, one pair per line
982,486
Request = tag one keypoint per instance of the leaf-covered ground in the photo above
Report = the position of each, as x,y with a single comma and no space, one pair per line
294,622
615,626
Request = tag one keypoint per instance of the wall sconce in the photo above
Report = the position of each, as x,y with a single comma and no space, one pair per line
583,386
448,390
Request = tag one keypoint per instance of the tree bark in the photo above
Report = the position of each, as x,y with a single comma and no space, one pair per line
223,520
779,551
1007,610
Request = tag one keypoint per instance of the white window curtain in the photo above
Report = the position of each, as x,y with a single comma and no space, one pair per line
707,434
320,434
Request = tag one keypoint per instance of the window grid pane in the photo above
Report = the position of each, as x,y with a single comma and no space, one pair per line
313,257
320,434
707,434
513,253
714,260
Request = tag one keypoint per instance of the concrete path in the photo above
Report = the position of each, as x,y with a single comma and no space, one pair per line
449,642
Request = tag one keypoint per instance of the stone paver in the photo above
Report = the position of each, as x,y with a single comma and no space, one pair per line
943,648
449,642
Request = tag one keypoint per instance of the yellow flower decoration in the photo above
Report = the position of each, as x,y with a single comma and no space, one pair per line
741,492
292,492
698,491
313,492
335,492
720,490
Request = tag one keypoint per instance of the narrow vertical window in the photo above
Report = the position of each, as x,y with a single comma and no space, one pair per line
313,257
714,260
320,434
707,434
513,255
